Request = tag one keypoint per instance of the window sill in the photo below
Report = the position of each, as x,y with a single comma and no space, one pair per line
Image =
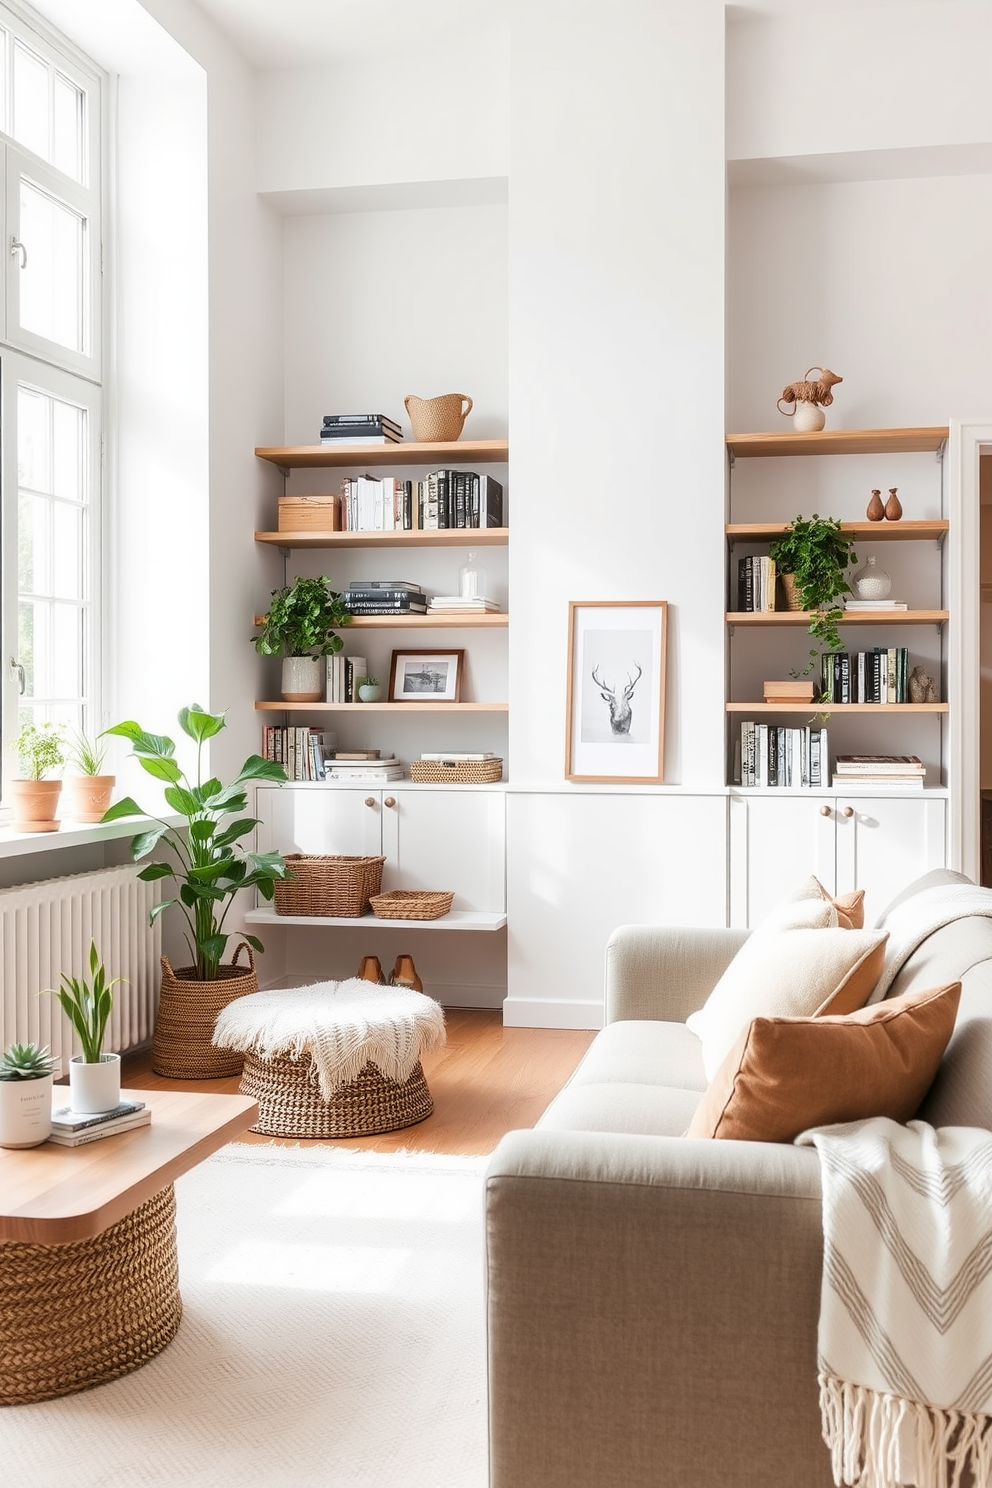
71,834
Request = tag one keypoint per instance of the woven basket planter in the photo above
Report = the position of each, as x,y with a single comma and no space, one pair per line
187,1011
412,904
290,1103
75,1315
334,885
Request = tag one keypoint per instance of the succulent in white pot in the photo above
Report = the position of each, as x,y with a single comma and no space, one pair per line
94,1077
26,1076
369,690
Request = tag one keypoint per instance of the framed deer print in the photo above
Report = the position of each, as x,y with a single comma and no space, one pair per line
615,729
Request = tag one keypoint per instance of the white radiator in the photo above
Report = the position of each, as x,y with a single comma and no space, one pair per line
45,930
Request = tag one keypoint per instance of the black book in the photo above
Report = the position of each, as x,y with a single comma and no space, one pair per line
396,607
376,586
349,420
487,502
385,596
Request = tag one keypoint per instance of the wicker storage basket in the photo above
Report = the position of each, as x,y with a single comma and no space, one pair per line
182,1047
290,1103
456,772
412,904
340,886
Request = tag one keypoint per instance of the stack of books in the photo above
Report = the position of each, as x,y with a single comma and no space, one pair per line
72,1128
900,770
877,676
453,603
768,755
384,597
867,606
300,751
359,428
363,764
345,674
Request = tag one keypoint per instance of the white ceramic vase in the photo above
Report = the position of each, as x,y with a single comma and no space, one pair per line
871,582
95,1087
808,418
25,1112
303,679
369,692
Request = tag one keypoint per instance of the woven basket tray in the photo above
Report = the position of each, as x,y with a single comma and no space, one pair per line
458,772
340,886
412,904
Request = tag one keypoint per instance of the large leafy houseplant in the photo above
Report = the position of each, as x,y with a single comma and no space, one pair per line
302,619
818,555
210,863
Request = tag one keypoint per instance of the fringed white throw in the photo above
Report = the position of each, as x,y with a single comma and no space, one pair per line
905,1329
342,1025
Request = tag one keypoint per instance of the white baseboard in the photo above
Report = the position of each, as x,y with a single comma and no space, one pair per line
526,1012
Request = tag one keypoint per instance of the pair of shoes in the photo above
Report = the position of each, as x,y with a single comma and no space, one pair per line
369,970
404,974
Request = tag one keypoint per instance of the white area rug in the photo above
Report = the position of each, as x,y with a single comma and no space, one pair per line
333,1334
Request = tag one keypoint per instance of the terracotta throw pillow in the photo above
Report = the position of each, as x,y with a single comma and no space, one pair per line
850,908
795,964
785,1075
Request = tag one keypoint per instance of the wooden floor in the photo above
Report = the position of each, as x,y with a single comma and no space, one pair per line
486,1081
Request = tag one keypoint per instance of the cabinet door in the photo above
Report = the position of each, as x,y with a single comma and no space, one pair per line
883,844
320,821
775,843
446,839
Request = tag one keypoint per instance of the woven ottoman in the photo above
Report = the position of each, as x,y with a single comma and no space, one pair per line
334,1059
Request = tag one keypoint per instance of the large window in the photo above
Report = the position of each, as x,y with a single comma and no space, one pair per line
50,382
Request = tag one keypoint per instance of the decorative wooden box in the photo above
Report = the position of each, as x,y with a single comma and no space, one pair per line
309,514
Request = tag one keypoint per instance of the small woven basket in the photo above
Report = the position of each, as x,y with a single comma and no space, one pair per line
335,885
412,904
456,772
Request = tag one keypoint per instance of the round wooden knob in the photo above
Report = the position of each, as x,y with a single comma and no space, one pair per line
824,810
370,800
848,811
389,801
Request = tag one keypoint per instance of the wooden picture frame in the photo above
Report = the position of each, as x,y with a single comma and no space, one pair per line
615,715
426,676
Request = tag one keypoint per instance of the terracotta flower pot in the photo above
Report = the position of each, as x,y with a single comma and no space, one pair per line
87,796
35,803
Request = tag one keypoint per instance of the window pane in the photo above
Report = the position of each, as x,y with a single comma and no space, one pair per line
67,654
33,450
34,545
68,450
51,282
30,124
67,551
68,154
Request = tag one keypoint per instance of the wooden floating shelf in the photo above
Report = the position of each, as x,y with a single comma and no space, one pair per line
861,617
455,919
423,622
444,537
889,709
360,456
917,440
281,707
869,531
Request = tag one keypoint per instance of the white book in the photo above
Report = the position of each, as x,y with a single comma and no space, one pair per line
449,755
106,1129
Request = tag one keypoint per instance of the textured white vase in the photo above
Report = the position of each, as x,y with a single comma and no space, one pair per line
872,582
95,1087
25,1112
303,679
808,417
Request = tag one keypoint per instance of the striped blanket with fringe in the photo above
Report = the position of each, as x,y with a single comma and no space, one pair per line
905,1328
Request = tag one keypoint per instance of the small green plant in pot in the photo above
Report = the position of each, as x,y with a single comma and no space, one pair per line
369,690
40,751
26,1077
88,790
210,867
300,626
94,1077
817,556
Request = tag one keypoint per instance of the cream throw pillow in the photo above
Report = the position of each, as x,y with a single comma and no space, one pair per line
797,963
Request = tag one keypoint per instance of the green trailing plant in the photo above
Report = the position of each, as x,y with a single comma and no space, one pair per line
40,748
210,864
87,1005
26,1062
818,555
302,619
86,754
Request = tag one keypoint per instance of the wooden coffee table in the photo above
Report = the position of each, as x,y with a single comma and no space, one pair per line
89,1277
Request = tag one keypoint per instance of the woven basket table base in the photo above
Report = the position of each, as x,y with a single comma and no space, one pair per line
291,1105
76,1315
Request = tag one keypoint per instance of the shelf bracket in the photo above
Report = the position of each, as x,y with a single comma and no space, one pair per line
731,456
939,452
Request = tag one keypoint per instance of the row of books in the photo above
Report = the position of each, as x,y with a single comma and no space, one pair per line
756,583
359,428
73,1128
880,675
444,499
345,674
298,750
770,755
879,770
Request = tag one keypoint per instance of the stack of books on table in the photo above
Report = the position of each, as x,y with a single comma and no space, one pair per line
868,606
359,428
901,770
384,597
449,604
72,1128
362,764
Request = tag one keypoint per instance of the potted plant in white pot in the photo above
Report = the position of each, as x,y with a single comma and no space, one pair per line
26,1075
299,626
94,1077
210,867
40,750
88,790
369,690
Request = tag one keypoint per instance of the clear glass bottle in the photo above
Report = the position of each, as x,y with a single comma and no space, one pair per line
871,582
472,578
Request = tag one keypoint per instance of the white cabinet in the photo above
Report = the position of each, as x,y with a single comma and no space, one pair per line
875,843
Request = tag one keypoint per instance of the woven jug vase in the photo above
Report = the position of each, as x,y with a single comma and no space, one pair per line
437,420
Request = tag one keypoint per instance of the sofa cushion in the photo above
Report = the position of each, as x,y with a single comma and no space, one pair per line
786,969
787,1074
621,1106
643,1053
850,908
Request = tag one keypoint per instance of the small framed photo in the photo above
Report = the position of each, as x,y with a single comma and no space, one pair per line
615,727
425,676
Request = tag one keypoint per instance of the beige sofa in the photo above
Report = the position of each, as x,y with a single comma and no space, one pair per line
653,1300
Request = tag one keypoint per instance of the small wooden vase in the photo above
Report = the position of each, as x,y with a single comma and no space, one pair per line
876,511
893,507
